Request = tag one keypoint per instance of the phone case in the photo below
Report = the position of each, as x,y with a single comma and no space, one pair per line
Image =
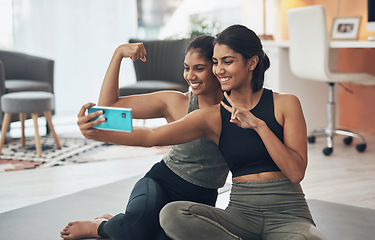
117,119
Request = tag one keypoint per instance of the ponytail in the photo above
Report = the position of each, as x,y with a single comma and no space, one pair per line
258,73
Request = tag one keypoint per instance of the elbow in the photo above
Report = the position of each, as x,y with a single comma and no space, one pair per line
297,171
297,177
147,144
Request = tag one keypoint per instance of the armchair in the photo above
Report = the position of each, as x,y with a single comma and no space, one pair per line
24,72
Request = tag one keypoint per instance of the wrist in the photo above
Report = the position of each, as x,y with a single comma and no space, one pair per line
119,52
260,126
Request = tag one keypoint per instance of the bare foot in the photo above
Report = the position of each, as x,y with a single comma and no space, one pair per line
81,229
105,216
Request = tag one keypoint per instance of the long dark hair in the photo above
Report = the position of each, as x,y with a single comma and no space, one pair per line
247,43
204,45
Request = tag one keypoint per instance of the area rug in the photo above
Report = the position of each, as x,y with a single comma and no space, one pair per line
74,150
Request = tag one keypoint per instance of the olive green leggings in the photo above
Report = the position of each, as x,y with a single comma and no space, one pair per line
267,210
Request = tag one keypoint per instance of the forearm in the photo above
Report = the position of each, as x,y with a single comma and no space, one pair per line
110,88
289,161
138,137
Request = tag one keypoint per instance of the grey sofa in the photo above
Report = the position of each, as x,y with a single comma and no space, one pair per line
163,69
24,72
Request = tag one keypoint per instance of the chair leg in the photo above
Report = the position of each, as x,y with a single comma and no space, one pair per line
22,117
330,131
47,130
38,144
331,116
48,116
349,134
4,129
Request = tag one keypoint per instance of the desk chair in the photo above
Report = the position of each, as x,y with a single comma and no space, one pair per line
163,69
309,59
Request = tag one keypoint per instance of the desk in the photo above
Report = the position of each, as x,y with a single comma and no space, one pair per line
352,44
332,44
312,94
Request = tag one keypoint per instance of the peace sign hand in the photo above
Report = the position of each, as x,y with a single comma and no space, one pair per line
242,117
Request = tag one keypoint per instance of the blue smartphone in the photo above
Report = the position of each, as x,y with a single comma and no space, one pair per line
117,119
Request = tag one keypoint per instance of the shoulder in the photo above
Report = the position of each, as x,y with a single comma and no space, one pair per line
208,120
207,116
284,100
212,117
288,105
207,112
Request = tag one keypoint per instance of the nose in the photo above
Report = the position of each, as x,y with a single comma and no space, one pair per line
190,75
219,69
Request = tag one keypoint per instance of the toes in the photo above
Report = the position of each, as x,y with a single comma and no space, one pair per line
64,236
71,223
66,228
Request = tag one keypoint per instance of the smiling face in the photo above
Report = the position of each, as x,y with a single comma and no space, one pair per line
198,73
230,68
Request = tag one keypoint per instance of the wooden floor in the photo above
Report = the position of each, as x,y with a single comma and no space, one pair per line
346,177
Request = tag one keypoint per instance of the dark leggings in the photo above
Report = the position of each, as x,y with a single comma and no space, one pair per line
149,195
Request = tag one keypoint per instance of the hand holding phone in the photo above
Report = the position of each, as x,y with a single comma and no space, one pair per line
117,119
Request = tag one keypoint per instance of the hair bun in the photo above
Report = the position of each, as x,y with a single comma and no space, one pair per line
266,62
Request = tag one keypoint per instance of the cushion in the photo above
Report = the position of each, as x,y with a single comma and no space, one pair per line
27,102
18,85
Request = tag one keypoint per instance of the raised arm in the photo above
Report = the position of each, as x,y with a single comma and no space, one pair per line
109,93
144,106
290,156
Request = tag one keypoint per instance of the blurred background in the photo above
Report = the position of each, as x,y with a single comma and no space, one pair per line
81,35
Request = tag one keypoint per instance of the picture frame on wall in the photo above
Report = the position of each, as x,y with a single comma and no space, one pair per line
345,28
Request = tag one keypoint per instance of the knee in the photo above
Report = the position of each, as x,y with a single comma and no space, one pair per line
173,215
316,234
169,214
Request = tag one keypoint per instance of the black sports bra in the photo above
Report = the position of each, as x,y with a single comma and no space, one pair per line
243,149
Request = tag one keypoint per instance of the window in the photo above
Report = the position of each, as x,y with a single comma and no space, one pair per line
6,24
153,15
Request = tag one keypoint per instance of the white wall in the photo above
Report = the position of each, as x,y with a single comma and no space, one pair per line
80,35
252,15
223,12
